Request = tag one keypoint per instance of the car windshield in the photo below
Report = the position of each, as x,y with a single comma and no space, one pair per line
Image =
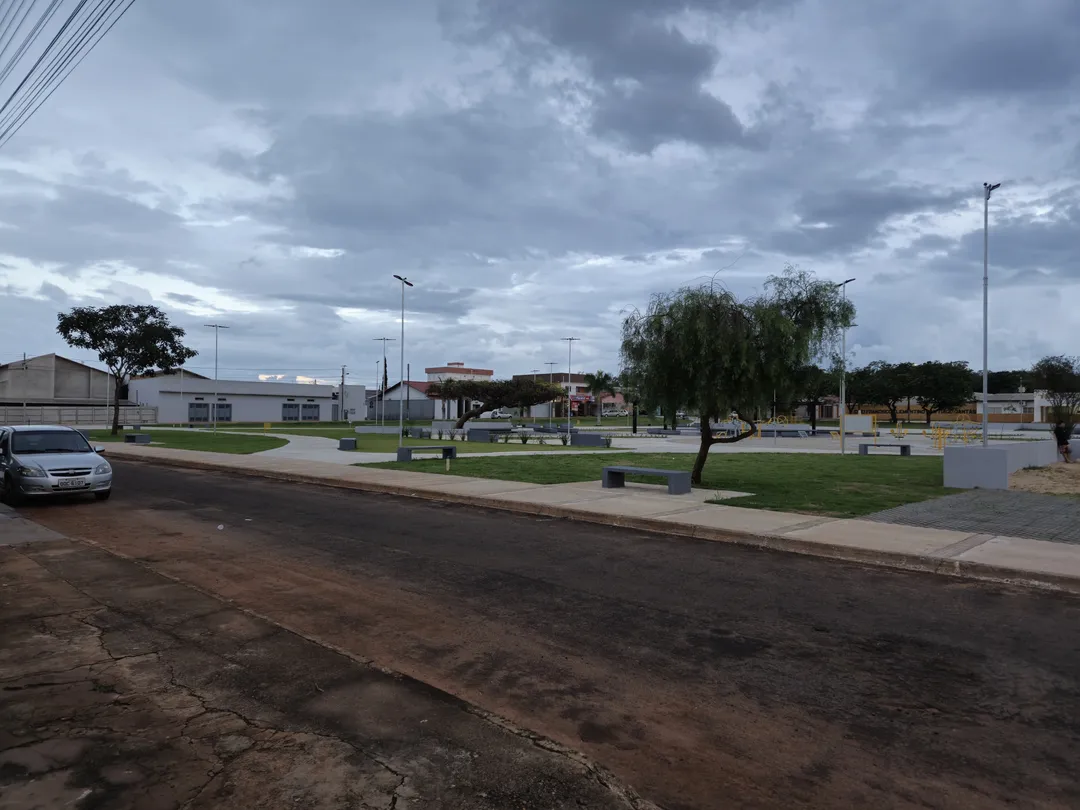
24,442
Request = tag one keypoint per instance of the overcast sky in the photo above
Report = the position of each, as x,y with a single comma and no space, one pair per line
538,167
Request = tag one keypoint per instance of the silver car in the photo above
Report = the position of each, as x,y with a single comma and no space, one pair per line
38,460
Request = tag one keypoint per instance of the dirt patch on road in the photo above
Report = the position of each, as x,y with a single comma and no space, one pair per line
1057,479
122,689
689,730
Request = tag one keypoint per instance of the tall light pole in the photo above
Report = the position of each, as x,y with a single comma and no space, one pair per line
551,381
217,327
569,377
843,371
382,388
400,408
988,188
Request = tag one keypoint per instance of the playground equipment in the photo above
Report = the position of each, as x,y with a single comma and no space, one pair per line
962,431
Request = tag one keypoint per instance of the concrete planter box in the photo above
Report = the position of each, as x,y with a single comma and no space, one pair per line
346,444
588,440
481,435
389,430
137,438
978,467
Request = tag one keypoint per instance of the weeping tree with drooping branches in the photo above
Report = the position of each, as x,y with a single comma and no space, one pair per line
703,348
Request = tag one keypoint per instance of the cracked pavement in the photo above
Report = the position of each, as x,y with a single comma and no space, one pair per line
120,688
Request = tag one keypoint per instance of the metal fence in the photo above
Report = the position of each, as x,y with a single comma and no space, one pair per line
75,415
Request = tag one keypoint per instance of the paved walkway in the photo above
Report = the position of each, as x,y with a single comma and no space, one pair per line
650,508
1018,514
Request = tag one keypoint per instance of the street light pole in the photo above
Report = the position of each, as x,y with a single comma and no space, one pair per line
988,188
217,327
569,377
843,372
401,411
551,381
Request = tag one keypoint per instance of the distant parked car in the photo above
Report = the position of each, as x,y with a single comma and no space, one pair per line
500,414
39,460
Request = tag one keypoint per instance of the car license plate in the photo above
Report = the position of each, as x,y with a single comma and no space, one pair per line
72,483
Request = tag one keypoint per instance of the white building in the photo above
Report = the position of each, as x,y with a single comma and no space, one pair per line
421,404
183,397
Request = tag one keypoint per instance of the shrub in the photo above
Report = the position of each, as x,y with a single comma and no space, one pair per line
506,438
565,439
524,438
541,439
607,441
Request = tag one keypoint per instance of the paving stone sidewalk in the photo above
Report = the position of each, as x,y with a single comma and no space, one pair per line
1013,514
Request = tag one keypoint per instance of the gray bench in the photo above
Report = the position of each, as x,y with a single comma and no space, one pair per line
864,447
136,438
588,440
406,453
678,480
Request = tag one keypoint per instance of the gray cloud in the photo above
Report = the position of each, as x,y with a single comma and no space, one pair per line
538,167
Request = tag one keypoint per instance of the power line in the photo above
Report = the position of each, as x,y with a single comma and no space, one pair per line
59,60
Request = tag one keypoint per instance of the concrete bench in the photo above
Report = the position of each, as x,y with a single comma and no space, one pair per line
136,438
406,453
864,447
588,440
346,444
678,480
485,434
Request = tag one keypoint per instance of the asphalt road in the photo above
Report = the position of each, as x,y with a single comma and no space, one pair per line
705,675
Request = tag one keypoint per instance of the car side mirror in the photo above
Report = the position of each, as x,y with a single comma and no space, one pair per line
99,450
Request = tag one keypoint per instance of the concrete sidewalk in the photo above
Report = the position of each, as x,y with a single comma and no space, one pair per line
650,508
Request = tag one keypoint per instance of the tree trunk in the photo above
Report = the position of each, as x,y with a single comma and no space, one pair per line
707,441
812,407
599,408
465,417
116,404
634,407
928,415
892,413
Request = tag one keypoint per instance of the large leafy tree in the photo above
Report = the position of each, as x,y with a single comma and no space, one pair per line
128,339
942,386
703,348
889,384
1058,377
599,384
490,395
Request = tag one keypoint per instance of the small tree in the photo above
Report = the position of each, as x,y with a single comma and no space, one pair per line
703,348
1058,377
942,386
128,339
494,394
812,384
599,384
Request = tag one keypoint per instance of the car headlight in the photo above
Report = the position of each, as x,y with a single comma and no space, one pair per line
30,471
102,469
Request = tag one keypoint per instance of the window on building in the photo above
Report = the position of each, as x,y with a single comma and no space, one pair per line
290,412
198,412
224,411
310,413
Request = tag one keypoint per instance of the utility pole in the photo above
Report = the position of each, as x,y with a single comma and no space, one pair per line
217,327
569,377
344,410
25,388
988,188
382,387
551,381
408,387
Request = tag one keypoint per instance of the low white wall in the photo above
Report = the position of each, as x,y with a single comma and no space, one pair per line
978,467
388,429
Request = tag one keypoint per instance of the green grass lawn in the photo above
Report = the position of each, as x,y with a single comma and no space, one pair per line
198,440
387,443
838,486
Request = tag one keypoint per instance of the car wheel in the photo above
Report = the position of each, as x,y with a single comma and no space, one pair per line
8,494
104,495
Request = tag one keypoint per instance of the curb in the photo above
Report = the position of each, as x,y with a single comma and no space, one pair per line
770,542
